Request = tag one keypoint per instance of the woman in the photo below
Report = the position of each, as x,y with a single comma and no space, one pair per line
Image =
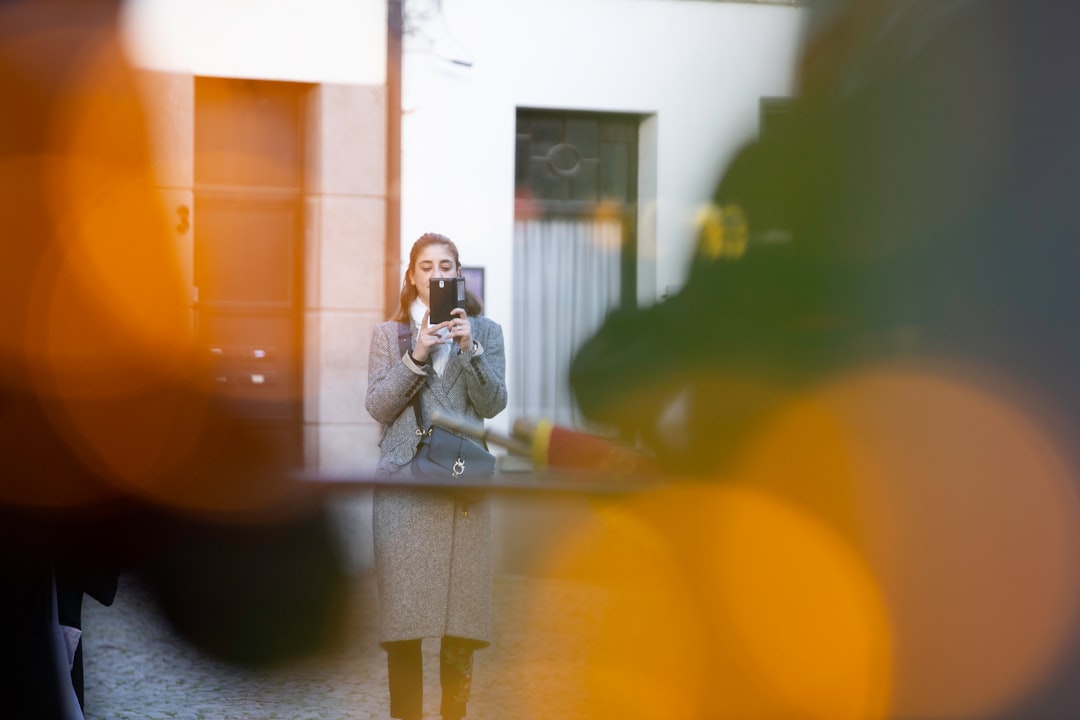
433,552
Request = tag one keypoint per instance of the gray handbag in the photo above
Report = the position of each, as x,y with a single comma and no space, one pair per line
445,455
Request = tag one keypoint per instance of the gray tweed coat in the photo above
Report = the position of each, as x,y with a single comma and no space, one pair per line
433,560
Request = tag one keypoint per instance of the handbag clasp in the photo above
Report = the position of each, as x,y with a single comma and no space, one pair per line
459,467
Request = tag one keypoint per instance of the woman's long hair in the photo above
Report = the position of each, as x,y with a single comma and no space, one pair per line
473,306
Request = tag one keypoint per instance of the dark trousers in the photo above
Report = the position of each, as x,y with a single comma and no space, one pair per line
406,671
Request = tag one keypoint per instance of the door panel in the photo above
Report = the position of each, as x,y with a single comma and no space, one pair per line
248,235
249,257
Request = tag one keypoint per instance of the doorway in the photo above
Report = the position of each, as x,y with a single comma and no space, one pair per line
248,232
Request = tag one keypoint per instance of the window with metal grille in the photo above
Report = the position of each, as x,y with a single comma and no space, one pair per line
575,249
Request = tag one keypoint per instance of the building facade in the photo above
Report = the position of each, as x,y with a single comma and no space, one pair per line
556,127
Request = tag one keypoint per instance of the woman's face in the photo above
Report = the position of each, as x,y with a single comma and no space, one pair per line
434,261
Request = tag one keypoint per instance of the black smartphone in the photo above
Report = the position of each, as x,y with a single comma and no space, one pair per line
445,294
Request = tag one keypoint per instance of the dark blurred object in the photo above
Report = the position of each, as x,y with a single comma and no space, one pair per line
257,595
561,448
482,433
557,447
915,202
116,453
913,211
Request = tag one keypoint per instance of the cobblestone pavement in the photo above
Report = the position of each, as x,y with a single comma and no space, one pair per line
137,669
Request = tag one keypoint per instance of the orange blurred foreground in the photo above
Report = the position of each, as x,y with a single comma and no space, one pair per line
900,542
106,394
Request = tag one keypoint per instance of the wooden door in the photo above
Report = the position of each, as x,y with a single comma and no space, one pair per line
248,248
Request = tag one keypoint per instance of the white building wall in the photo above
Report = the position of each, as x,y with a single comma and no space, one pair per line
698,68
316,41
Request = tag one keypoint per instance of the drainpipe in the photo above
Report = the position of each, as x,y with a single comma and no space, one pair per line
392,242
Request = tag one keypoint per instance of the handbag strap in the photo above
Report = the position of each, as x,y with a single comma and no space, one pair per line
415,402
404,337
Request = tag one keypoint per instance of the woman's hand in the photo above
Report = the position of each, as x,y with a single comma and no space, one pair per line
427,338
461,330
